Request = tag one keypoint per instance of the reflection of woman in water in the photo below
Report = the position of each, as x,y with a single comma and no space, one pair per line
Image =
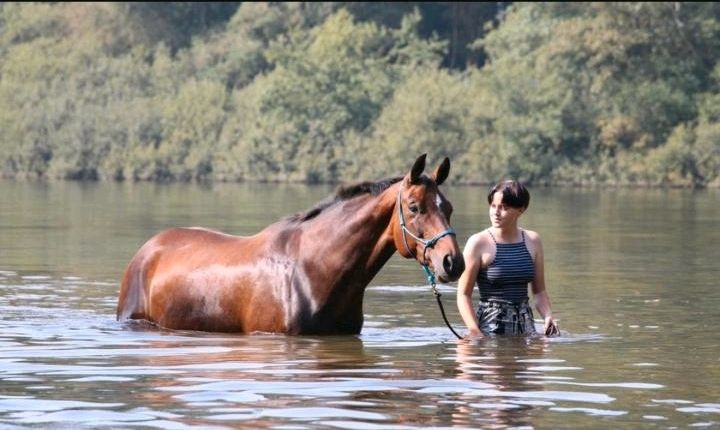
503,259
503,363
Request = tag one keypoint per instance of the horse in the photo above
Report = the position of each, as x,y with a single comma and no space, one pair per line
305,274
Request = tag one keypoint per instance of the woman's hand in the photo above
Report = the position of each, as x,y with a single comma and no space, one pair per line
551,327
473,335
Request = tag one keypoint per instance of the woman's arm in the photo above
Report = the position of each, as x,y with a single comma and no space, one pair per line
542,299
466,285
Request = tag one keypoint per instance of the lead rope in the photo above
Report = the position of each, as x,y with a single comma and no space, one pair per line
428,244
431,279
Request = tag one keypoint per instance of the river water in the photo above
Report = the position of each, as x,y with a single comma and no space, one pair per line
633,277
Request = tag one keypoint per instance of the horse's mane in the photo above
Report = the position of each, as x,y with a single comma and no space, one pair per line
344,193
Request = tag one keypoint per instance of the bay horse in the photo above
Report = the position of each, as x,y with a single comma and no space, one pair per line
305,274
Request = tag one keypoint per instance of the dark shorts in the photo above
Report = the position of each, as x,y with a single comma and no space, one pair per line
505,318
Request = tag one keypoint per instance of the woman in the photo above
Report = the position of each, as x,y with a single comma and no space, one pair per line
503,259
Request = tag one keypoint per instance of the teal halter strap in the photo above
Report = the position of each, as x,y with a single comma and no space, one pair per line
430,243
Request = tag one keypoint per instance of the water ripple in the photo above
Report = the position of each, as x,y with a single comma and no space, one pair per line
65,361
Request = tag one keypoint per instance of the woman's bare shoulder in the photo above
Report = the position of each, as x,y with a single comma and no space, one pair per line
481,236
478,240
532,235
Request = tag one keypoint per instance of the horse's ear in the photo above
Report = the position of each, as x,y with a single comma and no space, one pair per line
442,171
417,169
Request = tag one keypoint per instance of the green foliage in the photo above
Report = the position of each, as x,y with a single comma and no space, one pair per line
431,121
691,156
22,23
600,81
581,93
326,83
173,23
191,122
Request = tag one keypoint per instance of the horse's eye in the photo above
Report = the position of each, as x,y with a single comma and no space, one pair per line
414,208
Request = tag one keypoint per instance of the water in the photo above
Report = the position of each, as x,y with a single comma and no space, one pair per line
632,275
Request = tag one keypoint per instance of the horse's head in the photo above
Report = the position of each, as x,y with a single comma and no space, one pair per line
422,222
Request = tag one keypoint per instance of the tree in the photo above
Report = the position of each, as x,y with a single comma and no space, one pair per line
599,81
324,84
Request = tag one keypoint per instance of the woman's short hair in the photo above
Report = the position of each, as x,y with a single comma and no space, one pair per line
514,194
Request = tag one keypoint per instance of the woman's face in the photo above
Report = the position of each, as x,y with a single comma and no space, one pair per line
502,216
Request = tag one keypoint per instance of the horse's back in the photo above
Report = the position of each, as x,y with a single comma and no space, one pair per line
200,279
167,249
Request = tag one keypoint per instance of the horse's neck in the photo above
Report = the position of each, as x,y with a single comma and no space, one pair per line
335,254
354,240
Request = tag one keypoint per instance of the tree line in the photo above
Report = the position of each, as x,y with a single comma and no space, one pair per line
556,93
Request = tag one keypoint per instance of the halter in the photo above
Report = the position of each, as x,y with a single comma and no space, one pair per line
428,244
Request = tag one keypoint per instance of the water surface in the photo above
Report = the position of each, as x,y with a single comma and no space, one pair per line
632,275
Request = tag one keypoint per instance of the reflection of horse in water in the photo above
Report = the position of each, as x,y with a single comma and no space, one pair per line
239,357
263,371
302,275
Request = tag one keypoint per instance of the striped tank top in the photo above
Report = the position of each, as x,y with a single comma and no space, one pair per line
508,276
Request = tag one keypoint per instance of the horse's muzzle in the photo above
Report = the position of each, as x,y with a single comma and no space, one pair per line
452,267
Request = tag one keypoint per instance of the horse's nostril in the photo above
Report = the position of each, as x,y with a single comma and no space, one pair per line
448,264
452,266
